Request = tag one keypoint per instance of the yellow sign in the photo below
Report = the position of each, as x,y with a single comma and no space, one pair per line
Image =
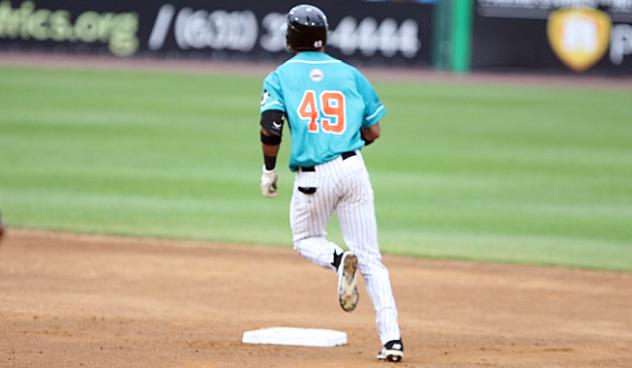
579,36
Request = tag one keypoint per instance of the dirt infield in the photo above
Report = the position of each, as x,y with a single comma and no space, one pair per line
89,301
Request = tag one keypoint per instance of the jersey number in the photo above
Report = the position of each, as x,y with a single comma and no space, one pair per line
333,111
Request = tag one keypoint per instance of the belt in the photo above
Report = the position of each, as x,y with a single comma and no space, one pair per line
344,155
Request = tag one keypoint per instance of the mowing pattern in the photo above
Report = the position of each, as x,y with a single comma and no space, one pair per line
515,174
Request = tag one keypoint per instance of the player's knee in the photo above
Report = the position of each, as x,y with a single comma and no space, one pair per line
301,246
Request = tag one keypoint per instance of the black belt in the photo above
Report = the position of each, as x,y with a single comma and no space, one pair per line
344,155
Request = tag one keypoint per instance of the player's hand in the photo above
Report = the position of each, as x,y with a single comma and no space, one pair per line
269,183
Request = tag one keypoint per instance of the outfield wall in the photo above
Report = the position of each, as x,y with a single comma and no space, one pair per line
375,33
584,36
560,36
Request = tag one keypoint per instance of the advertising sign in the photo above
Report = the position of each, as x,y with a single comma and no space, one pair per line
584,36
360,31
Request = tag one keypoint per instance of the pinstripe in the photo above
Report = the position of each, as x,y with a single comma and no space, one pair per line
344,187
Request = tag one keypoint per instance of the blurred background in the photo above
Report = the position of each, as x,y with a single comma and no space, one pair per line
590,36
141,119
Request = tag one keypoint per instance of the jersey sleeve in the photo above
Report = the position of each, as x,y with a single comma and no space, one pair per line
373,108
272,97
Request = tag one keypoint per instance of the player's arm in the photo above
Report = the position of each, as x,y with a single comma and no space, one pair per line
371,133
270,151
373,110
271,133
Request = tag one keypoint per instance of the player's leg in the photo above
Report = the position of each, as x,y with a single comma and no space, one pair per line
309,215
356,214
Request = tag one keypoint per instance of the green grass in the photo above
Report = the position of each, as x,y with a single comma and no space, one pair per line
471,171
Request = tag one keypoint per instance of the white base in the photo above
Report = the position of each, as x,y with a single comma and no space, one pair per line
295,336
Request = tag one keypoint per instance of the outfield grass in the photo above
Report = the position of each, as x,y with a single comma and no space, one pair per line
513,174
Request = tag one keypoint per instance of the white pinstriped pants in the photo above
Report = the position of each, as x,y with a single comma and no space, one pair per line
343,186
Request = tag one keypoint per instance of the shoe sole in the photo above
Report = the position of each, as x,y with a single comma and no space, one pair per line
391,356
347,285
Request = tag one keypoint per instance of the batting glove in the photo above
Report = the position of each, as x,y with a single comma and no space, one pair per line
269,183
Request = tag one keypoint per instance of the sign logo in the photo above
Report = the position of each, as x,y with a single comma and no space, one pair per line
119,31
579,36
316,75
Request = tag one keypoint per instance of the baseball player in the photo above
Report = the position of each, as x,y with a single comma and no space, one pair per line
332,112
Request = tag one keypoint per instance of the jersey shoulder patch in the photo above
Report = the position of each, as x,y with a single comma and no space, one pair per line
265,96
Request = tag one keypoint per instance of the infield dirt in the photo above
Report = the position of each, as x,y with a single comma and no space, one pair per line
91,301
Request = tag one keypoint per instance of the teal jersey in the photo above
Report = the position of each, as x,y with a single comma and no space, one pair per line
326,102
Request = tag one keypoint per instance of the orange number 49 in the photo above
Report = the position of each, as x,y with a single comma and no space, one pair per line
333,110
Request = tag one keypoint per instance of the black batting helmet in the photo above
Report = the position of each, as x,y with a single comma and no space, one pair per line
306,28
